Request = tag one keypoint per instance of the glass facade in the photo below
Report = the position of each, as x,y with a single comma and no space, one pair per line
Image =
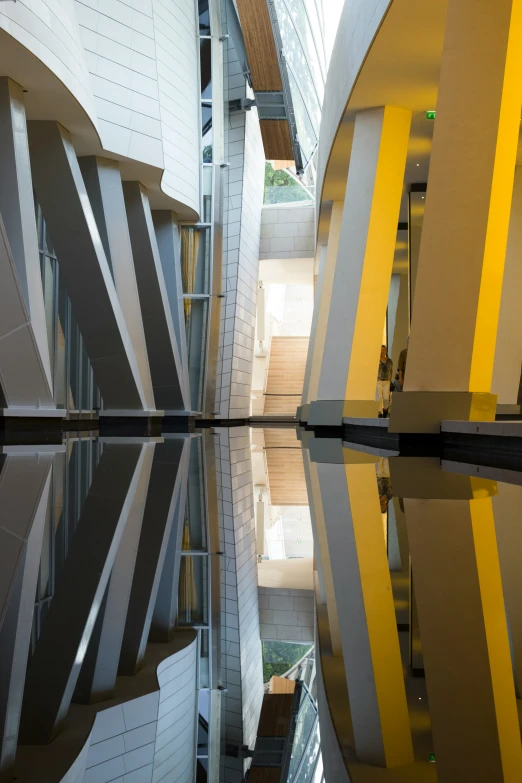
302,35
75,389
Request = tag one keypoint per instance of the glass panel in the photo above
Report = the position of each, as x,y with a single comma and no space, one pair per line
192,595
207,193
195,509
204,665
195,260
206,128
196,316
305,721
204,17
306,133
281,188
306,771
60,368
48,268
301,51
205,57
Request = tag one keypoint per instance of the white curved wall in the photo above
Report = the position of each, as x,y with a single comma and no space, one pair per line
358,26
149,738
178,85
121,56
133,69
49,29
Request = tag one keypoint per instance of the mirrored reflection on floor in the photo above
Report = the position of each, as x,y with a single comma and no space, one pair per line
419,607
140,575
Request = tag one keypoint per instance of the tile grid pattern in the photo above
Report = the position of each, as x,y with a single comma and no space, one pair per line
242,671
241,235
143,63
150,739
286,615
287,232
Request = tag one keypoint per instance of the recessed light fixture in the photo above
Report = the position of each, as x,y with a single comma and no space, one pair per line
418,164
422,198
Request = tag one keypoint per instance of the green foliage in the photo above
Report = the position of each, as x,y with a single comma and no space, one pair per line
278,657
281,188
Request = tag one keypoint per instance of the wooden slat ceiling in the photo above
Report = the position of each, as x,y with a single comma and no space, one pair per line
264,73
285,468
260,45
276,140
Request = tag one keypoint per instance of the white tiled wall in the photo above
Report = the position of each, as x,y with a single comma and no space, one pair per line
242,669
121,55
49,29
150,739
286,615
242,226
178,89
287,231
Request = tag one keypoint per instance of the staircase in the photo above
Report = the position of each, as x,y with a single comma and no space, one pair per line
285,379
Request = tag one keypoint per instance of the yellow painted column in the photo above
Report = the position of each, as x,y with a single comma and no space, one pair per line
506,506
322,306
508,350
463,629
465,228
367,624
357,312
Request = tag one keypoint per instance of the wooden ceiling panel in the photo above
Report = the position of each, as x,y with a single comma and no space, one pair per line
260,46
286,475
276,140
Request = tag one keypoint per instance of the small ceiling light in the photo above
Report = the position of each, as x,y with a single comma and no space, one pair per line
422,198
418,164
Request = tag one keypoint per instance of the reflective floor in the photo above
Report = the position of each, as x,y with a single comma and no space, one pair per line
130,620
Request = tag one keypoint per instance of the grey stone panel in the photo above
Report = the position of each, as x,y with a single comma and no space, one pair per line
168,239
104,187
168,471
168,381
23,524
65,205
17,210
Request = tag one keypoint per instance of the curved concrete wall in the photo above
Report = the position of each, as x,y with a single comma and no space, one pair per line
132,69
149,738
49,29
358,26
178,87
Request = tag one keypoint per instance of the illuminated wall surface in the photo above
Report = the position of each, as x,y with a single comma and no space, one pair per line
156,535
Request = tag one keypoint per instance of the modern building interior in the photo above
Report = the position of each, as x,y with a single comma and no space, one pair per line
260,391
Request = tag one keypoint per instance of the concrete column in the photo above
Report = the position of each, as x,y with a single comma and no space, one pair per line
104,187
367,623
357,308
460,604
55,665
508,350
24,495
506,508
100,667
322,303
162,345
68,213
168,468
168,239
24,352
465,228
